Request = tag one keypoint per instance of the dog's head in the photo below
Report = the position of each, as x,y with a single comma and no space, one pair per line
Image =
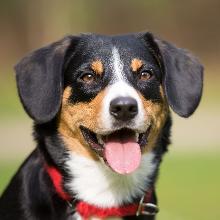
110,95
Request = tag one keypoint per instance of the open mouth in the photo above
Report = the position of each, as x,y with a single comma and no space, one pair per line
121,149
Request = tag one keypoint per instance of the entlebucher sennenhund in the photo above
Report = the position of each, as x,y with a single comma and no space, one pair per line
100,106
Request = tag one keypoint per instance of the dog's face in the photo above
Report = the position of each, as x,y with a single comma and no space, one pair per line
113,101
110,95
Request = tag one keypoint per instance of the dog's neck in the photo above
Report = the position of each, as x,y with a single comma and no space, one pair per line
94,182
85,210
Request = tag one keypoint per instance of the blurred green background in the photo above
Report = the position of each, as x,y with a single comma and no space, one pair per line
188,186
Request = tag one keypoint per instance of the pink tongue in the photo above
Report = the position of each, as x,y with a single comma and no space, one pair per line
123,157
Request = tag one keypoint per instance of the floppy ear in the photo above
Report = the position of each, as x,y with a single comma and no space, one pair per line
183,75
40,80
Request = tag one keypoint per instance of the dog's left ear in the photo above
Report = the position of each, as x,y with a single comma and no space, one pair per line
182,78
40,80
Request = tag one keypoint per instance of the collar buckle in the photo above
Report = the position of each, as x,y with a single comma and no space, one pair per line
146,208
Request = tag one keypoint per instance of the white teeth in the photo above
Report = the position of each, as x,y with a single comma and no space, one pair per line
99,138
136,136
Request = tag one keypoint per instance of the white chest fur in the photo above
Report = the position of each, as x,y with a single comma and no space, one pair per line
97,184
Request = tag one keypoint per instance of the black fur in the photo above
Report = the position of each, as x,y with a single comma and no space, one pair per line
41,78
183,75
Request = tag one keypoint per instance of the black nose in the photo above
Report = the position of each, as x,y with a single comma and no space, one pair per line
123,108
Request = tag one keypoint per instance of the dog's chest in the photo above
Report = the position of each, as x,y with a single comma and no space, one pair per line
96,184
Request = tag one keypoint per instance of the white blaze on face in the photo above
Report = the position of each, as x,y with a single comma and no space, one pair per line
117,65
120,88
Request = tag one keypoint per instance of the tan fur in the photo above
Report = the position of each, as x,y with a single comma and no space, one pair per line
97,67
136,64
157,112
72,116
87,114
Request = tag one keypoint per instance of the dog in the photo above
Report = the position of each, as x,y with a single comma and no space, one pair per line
101,111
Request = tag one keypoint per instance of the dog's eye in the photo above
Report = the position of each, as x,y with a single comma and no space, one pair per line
145,75
88,78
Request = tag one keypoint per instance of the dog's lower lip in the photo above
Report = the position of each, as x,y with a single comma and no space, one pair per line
143,137
91,139
97,141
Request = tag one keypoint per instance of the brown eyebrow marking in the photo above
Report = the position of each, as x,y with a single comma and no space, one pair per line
136,64
97,67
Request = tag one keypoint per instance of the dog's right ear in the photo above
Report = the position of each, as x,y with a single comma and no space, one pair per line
39,78
182,77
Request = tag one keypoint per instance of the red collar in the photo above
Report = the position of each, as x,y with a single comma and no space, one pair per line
144,207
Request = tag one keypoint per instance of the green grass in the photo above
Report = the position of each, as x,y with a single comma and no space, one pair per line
188,187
